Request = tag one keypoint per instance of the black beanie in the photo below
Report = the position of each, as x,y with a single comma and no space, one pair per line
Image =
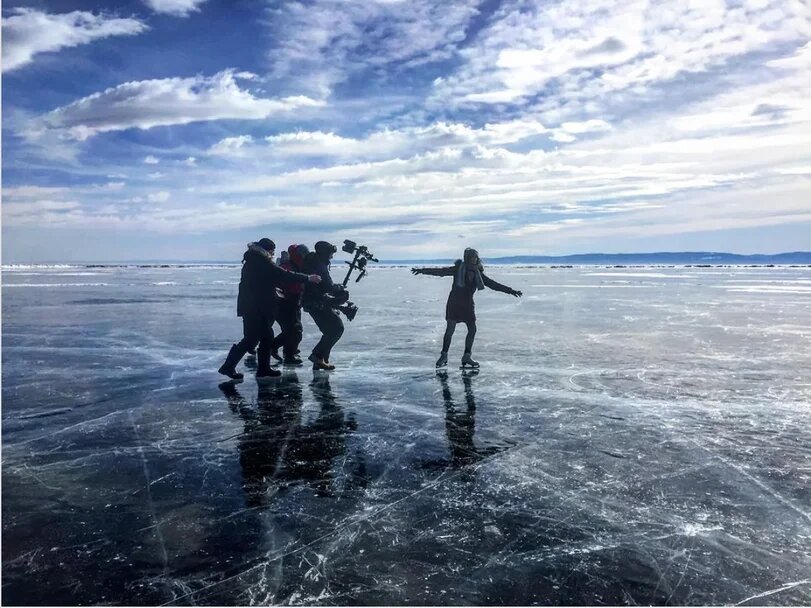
324,248
266,244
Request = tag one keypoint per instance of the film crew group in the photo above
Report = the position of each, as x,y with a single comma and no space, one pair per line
257,304
304,281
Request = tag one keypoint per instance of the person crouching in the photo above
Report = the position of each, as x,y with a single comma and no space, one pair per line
320,300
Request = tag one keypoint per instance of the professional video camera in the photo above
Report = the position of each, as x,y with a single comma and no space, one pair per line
340,302
362,257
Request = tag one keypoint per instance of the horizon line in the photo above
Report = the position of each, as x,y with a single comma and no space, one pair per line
429,259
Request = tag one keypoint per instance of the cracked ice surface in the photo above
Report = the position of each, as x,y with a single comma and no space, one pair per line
635,436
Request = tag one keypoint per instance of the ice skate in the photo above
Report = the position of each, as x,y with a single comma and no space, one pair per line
468,362
443,359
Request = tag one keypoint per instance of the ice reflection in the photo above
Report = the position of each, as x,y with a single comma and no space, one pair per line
279,449
460,429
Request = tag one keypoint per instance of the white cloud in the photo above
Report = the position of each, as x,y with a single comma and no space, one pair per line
322,43
611,50
112,186
230,146
39,211
800,60
171,101
177,8
26,192
27,32
566,132
733,155
158,197
151,160
563,136
587,126
385,143
806,170
190,161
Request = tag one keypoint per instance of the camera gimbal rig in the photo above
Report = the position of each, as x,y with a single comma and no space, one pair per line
362,257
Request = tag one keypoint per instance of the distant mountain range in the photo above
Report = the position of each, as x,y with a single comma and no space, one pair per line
679,258
682,258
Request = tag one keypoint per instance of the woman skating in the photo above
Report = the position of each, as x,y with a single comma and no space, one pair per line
468,278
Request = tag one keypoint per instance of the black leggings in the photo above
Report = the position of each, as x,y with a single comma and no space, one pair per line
471,335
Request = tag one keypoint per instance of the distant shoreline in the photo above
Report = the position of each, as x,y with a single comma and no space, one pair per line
18,267
664,259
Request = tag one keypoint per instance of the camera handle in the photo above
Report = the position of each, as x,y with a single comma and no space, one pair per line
352,266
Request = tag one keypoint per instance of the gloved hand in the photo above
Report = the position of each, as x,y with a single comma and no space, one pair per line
341,294
416,271
516,293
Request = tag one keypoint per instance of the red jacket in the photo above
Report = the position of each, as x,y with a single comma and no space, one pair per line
296,262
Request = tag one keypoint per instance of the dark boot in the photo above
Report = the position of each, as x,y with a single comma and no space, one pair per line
292,360
330,366
229,368
263,369
319,363
263,372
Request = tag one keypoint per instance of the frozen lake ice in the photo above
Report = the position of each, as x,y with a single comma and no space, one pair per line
635,436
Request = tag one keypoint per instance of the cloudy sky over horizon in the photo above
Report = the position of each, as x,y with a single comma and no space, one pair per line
181,129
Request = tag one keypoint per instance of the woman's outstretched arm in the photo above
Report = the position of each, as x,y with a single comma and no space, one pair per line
445,271
495,286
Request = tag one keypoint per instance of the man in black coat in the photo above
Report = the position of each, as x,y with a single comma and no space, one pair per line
320,300
257,305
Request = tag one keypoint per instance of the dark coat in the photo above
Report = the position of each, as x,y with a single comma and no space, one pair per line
317,295
257,287
460,306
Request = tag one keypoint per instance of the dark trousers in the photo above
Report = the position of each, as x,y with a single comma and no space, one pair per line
449,329
257,329
331,327
289,318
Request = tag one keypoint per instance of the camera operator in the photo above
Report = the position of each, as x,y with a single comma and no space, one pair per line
256,304
320,301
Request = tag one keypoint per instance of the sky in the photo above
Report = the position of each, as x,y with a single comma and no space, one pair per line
183,129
